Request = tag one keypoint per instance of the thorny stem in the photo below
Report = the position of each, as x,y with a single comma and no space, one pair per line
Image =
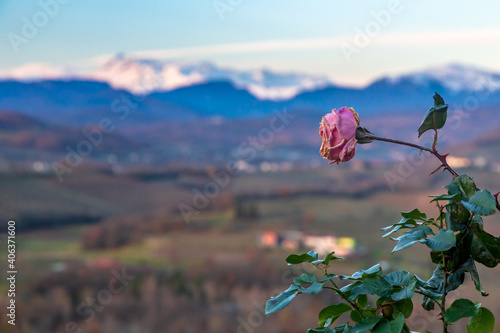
433,151
442,305
443,298
434,144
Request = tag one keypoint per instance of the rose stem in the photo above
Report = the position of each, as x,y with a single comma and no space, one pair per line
440,157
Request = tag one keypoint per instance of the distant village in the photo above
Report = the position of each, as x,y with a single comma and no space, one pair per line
296,240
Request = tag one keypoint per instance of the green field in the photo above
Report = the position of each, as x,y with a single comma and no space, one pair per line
212,266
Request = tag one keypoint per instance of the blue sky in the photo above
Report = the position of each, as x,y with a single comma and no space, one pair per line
317,36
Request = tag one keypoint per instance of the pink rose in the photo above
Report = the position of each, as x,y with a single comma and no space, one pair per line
338,132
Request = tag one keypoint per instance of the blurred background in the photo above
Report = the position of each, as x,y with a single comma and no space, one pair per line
160,159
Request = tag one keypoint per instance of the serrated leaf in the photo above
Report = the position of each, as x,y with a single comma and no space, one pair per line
331,313
483,322
444,240
461,308
282,300
435,118
482,203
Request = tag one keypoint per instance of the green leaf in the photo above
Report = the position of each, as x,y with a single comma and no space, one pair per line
470,267
411,237
404,306
483,247
363,274
403,285
455,280
366,324
449,197
483,322
375,285
329,257
457,216
435,118
362,301
397,324
323,330
461,308
438,100
346,290
482,203
463,184
281,301
443,241
455,257
414,214
331,313
314,289
383,326
403,224
305,278
328,277
343,328
355,316
432,289
294,259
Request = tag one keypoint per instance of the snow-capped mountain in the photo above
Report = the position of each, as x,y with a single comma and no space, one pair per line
141,76
144,76
32,72
455,77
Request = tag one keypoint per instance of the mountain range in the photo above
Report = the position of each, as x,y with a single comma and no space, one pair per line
142,96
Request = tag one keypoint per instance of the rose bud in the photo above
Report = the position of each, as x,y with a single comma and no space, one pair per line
338,132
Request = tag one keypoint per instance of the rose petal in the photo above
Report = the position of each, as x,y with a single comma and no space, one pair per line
334,153
346,123
331,118
335,138
348,151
